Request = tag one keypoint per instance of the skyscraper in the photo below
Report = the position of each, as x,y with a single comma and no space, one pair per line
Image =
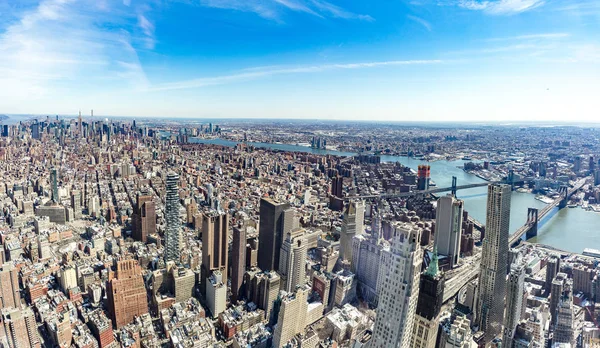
563,329
19,328
558,284
126,293
398,287
292,316
448,227
238,261
492,277
431,298
54,184
215,234
76,203
9,286
352,225
270,233
552,269
514,303
172,230
292,260
144,219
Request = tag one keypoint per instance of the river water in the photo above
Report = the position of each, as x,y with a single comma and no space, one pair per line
570,229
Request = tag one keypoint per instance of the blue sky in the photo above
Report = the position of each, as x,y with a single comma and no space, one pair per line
425,60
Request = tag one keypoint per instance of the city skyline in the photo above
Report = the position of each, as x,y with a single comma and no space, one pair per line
451,60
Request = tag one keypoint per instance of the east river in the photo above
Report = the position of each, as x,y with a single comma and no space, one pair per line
570,229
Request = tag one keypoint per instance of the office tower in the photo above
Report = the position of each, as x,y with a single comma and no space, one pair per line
352,225
563,329
597,177
366,255
552,269
215,232
429,304
577,164
292,316
144,219
9,286
173,228
184,282
80,124
19,328
423,176
514,303
398,287
557,289
270,233
292,260
35,130
76,203
448,228
262,288
592,165
126,293
238,261
582,279
492,277
216,293
54,184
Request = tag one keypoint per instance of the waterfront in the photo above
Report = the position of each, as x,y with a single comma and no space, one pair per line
571,229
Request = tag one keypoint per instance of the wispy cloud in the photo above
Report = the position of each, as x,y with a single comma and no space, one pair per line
501,7
148,30
542,36
421,21
275,9
59,44
258,72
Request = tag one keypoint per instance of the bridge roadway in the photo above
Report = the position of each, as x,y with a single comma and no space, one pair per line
460,277
521,231
432,190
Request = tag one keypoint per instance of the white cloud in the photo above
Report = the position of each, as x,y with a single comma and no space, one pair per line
258,72
542,36
501,7
56,47
421,21
274,9
148,30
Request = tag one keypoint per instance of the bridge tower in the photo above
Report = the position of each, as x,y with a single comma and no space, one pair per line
454,186
532,221
564,193
511,179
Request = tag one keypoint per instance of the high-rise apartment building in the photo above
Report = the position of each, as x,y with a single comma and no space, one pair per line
54,184
216,293
9,286
431,298
238,261
448,228
173,223
398,287
292,316
144,219
215,234
19,329
494,260
352,225
270,233
126,293
514,303
292,260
